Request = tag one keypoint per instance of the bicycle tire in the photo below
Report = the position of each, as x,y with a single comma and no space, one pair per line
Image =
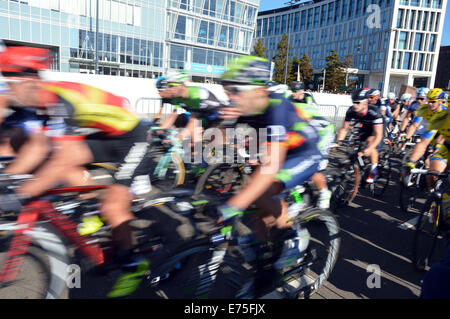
202,183
176,166
426,235
325,240
384,174
345,192
33,279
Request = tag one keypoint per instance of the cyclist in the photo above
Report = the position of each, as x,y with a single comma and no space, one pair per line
393,102
371,130
299,94
311,113
200,102
374,98
436,114
121,138
292,153
414,106
405,102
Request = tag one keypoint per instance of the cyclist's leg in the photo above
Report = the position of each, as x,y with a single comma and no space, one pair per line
438,163
68,155
296,171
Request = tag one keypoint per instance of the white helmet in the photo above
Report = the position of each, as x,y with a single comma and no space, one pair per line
406,97
391,96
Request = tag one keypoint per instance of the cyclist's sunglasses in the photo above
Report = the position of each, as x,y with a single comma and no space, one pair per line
236,89
420,99
432,101
357,102
173,84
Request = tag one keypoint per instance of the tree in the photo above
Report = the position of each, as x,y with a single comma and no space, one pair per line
306,70
280,61
295,66
347,63
259,49
335,73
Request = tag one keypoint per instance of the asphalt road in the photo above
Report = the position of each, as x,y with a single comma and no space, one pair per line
376,238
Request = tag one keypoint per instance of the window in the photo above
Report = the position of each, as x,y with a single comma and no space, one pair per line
337,13
296,21
199,56
400,18
283,24
424,21
271,26
202,32
223,37
277,24
177,57
180,29
211,32
303,21
310,18
406,60
432,42
420,62
316,17
418,41
402,41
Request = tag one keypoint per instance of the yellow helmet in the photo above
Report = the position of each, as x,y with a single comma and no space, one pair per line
435,94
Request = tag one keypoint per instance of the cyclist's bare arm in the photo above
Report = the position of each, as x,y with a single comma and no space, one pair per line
343,131
419,149
30,155
405,121
262,178
169,121
412,129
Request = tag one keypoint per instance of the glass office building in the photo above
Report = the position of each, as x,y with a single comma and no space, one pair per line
391,42
137,38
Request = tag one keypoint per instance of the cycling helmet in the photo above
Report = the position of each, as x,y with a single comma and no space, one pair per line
406,97
24,61
360,95
436,94
374,92
177,77
278,88
422,92
391,96
297,86
161,83
249,70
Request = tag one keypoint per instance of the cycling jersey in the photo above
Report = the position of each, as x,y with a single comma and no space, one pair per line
85,106
26,118
285,126
414,106
424,114
371,118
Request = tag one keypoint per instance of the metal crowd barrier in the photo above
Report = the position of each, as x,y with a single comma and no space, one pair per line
149,107
334,113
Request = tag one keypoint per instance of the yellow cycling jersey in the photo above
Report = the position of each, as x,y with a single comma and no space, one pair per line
440,122
425,112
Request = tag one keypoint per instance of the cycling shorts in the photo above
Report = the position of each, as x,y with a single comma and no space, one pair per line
129,151
298,169
443,154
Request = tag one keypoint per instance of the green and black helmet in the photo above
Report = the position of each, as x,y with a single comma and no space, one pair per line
249,70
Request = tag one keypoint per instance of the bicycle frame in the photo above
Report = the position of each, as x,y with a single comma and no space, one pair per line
43,210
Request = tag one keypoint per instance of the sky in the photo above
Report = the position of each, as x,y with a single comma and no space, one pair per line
273,4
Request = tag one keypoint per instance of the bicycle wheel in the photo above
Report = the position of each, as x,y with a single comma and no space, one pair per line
221,180
427,237
384,173
33,279
305,279
408,194
175,171
345,186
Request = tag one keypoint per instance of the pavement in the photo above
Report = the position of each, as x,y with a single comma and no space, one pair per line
374,260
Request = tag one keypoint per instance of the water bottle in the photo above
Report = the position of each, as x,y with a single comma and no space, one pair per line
298,204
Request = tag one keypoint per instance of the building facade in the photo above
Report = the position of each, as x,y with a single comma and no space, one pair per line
443,69
391,42
136,38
